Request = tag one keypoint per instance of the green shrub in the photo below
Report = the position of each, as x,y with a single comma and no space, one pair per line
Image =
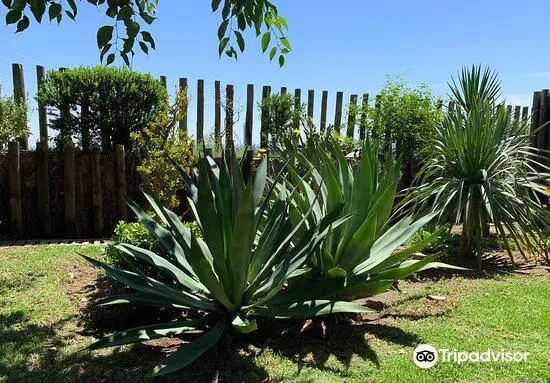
482,168
101,106
13,120
164,142
280,117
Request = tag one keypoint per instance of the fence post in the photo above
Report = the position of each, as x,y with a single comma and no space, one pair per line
15,207
264,134
42,115
338,112
19,96
97,199
43,187
297,106
310,105
517,112
217,115
70,190
352,114
364,115
229,119
121,181
535,115
248,127
283,90
183,89
200,113
525,113
163,81
324,100
542,136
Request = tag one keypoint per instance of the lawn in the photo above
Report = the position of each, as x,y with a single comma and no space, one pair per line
45,291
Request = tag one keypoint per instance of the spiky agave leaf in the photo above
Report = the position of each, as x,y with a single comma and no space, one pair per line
249,249
365,245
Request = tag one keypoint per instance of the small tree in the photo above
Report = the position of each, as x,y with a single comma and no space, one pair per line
13,120
163,142
405,118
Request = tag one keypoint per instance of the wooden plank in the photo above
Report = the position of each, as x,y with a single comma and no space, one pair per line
535,115
264,134
14,174
249,121
517,113
338,112
283,90
42,113
183,89
19,95
97,200
200,113
229,92
364,115
163,81
542,136
121,182
217,115
324,101
352,115
297,106
310,104
525,113
70,190
43,188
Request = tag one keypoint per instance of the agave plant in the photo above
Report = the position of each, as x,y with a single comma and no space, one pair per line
481,168
249,251
363,253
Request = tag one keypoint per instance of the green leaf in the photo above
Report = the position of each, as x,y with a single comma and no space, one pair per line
187,353
74,9
144,47
22,24
222,29
244,326
110,59
285,42
144,299
266,38
144,333
281,60
104,35
148,38
38,8
310,309
54,12
240,40
223,44
12,16
272,53
215,5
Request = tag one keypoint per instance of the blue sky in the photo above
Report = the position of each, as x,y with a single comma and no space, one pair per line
347,45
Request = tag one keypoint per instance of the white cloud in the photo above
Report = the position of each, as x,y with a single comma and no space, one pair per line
537,74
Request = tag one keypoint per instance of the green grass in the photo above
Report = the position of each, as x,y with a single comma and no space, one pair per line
41,334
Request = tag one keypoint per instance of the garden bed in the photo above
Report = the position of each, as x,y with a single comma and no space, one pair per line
47,291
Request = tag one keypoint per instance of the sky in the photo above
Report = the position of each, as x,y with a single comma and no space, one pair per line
346,45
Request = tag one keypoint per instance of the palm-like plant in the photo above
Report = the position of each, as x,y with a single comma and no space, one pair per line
481,167
362,251
250,250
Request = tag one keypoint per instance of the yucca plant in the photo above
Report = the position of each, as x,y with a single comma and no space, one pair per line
364,253
482,168
249,251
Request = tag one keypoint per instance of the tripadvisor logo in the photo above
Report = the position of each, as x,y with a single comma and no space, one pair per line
426,356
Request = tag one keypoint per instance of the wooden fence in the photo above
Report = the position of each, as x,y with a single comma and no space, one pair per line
79,195
64,195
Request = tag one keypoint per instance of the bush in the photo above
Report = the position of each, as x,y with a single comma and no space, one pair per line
280,118
100,106
407,117
13,120
482,169
164,143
